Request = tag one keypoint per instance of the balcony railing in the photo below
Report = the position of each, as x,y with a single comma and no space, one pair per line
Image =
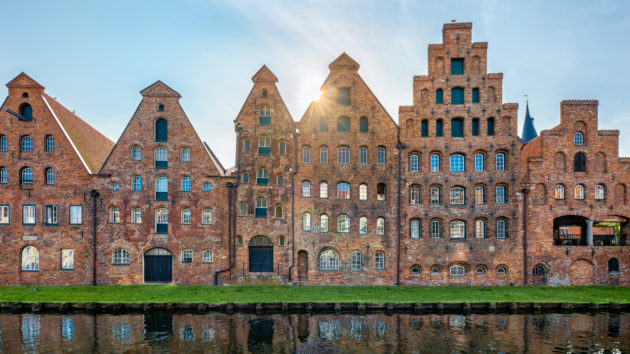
569,240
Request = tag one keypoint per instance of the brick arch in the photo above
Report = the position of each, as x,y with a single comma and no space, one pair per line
581,272
620,194
600,162
540,194
559,161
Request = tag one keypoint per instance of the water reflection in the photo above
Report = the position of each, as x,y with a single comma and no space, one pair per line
241,333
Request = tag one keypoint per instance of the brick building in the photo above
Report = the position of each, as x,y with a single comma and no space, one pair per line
346,195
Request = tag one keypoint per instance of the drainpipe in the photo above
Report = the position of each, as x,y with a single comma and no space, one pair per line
525,191
400,146
295,170
94,194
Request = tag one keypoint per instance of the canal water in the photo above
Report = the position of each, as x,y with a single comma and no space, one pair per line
249,333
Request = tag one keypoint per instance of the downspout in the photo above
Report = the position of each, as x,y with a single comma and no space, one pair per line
295,170
400,146
94,194
525,191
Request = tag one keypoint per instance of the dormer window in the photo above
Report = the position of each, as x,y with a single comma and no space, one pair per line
26,111
457,66
160,108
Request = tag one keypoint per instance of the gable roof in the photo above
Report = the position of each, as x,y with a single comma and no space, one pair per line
214,159
344,61
23,80
264,75
159,89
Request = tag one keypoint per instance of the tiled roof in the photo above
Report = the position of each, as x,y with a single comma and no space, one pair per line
532,149
93,146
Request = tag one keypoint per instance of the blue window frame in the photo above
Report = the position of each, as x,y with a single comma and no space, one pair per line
457,66
26,176
457,128
4,175
475,95
578,138
3,143
4,214
26,144
424,128
29,213
478,162
161,158
186,184
161,188
363,125
414,163
500,161
50,176
207,187
380,156
136,153
435,163
457,95
363,156
50,143
500,195
161,130
457,163
439,96
490,127
76,214
136,184
439,128
475,127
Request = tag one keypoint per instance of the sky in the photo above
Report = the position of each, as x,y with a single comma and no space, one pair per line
95,57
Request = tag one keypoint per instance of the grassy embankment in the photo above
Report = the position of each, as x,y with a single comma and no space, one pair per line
240,294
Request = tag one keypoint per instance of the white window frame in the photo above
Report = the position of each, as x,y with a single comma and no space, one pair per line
207,256
323,154
76,214
343,155
67,259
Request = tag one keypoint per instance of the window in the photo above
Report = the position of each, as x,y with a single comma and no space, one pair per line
439,96
501,228
26,111
436,229
500,197
579,162
329,260
323,190
282,148
50,176
490,127
161,221
161,188
424,128
136,183
343,191
161,158
247,146
207,256
278,212
262,177
343,96
457,128
363,156
265,94
457,95
414,195
380,191
242,209
161,130
559,192
114,186
343,124
579,192
26,144
457,271
439,129
500,161
355,261
136,216
457,66
480,270
458,196
4,214
186,184
323,223
26,176
160,108
120,257
600,192
76,214
501,270
363,125
578,138
186,216
261,208
480,229
306,154
49,143
380,155
343,155
30,259
458,229
363,191
28,214
264,145
415,270
475,95
435,195
435,163
4,175
363,225
67,259
184,155
281,241
187,256
114,215
613,265
475,127
343,223
414,228
239,240
306,189
457,163
435,271
380,226
245,178
280,181
379,260
414,163
480,195
206,216
3,143
323,124
478,162
323,154
264,115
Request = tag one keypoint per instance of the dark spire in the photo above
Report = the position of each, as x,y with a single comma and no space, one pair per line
529,131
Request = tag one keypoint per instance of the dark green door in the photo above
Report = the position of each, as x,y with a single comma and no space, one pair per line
158,269
260,259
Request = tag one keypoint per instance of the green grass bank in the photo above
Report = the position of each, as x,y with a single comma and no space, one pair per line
250,294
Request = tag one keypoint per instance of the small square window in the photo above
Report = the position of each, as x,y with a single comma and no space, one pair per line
187,256
457,66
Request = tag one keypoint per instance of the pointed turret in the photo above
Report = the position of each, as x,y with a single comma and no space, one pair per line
529,131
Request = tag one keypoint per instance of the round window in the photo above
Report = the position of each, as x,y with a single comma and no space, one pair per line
207,187
114,186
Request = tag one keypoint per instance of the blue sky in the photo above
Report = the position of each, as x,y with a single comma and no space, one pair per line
95,57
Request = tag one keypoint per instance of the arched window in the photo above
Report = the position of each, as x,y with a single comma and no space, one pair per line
186,216
262,177
184,155
4,175
306,189
457,163
363,191
136,153
501,270
120,257
363,155
136,183
136,216
26,176
343,155
414,195
439,96
343,223
500,165
323,124
261,208
414,228
264,145
161,157
458,229
539,270
343,124
355,261
207,256
306,154
500,195
436,228
160,108
380,191
264,115
457,271
278,214
186,184
379,260
323,190
380,226
30,259
458,196
479,162
49,143
26,144
282,148
480,228
114,215
579,192
457,128
380,155
435,163
280,181
435,270
600,192
50,176
206,216
559,192
245,178
3,143
328,260
480,270
323,154
490,126
415,270
578,138
363,225
439,128
502,229
161,188
323,223
613,265
161,130
579,162
26,111
363,125
414,163
435,195
343,191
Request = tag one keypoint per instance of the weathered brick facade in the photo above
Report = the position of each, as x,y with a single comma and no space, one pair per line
345,195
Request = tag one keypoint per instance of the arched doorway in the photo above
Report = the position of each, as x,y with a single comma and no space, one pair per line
302,265
158,266
260,255
539,275
581,272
